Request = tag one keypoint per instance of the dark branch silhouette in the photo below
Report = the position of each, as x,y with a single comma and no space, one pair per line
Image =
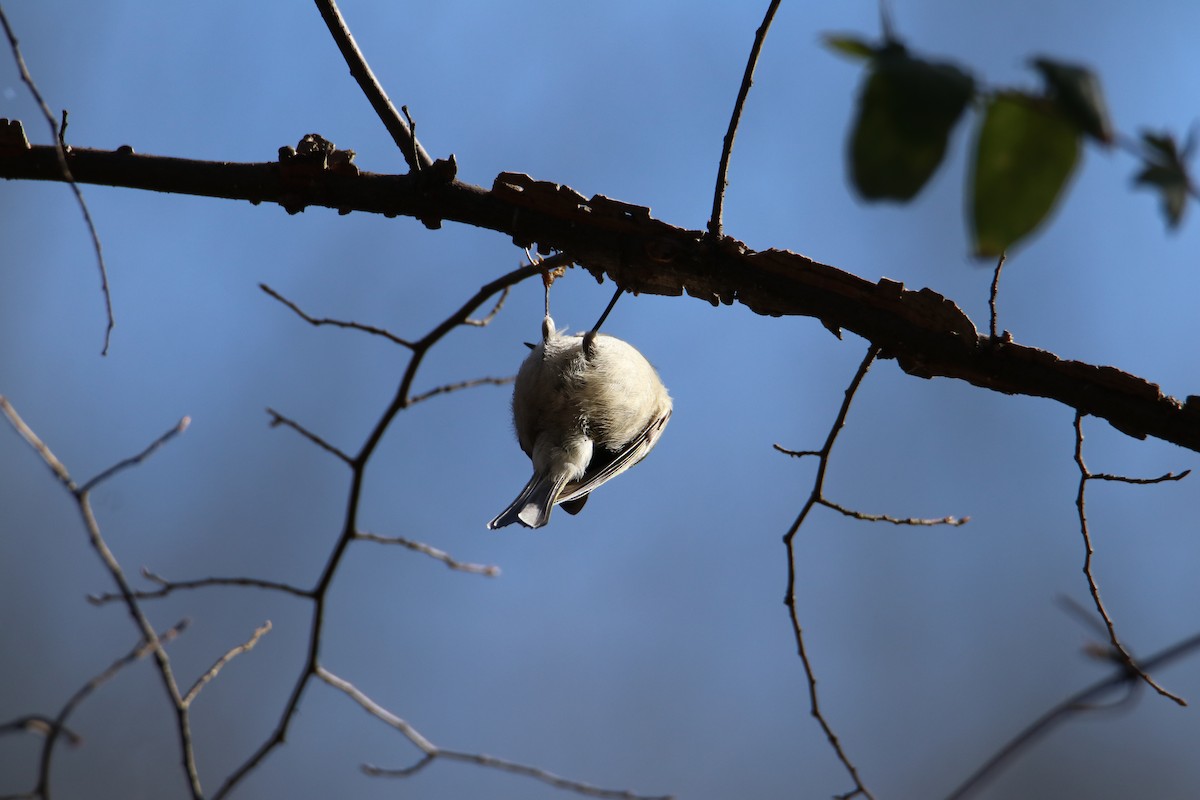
82,497
927,334
401,128
58,134
1119,650
714,222
52,729
789,599
1079,702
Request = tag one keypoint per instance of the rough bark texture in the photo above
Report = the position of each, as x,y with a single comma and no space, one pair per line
926,333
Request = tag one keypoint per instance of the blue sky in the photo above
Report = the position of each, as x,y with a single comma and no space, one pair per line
642,645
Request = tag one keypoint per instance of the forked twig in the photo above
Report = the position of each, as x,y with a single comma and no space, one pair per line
817,498
486,319
397,126
140,651
1080,701
179,428
220,663
714,222
401,399
337,323
1119,649
167,587
430,752
57,134
790,596
83,502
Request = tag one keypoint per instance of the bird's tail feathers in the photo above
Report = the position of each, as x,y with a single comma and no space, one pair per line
533,505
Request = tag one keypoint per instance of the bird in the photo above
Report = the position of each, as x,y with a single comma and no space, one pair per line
586,407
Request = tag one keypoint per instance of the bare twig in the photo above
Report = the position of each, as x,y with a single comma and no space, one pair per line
818,494
993,294
790,597
490,570
578,787
499,304
918,521
1078,702
1119,649
31,438
377,711
40,724
714,222
83,501
1164,478
57,134
431,752
358,463
455,387
220,663
397,126
167,587
816,498
795,453
179,428
426,342
53,728
317,322
278,419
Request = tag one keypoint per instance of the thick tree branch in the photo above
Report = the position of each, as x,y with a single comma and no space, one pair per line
927,334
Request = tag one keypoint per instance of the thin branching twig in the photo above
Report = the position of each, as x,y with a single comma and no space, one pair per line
179,428
57,135
167,587
714,222
1081,701
790,597
39,724
401,399
817,498
491,570
337,323
397,126
431,752
220,663
487,318
52,729
92,526
1119,649
136,654
459,386
278,419
913,521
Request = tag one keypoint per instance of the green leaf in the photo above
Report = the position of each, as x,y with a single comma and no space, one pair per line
1025,153
907,109
1076,91
849,45
1166,172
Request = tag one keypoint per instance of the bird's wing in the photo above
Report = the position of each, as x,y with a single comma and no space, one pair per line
607,464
